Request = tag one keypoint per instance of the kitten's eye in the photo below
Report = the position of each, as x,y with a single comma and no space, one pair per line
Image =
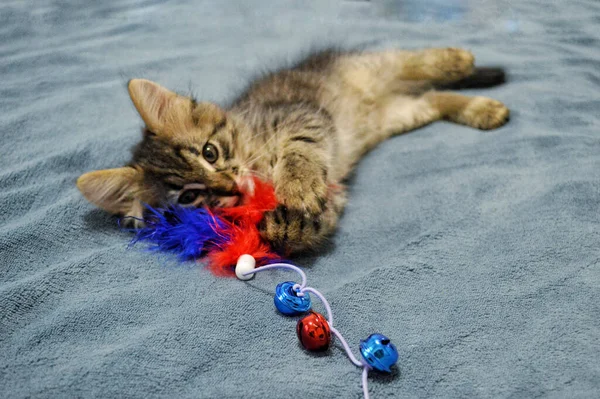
210,153
188,196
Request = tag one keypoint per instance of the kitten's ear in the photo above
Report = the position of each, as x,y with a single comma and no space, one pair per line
114,190
163,111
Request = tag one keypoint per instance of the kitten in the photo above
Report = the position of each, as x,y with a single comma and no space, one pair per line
302,128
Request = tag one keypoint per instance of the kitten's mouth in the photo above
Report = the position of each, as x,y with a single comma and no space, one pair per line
223,198
245,185
227,201
198,194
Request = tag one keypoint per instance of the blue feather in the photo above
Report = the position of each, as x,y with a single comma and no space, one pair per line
188,232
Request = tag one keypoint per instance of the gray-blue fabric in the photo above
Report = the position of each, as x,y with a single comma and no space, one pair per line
475,252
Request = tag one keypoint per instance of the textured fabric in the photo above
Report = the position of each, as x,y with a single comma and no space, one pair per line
477,253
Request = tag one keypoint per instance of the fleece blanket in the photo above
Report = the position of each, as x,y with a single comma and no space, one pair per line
476,253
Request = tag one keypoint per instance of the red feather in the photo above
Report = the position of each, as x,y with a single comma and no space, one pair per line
242,232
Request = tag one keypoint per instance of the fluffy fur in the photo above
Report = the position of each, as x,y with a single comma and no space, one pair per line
302,128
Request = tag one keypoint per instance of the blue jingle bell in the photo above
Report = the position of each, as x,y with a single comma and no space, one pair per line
287,300
379,352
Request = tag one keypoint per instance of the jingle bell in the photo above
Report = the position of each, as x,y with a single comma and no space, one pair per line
379,352
314,332
287,300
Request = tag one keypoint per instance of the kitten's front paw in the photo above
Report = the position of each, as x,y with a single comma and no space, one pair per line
290,231
307,195
131,222
485,113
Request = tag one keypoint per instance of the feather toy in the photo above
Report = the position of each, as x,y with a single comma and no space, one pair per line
230,240
219,235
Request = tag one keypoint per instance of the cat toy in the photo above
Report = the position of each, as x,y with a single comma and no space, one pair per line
230,241
219,236
314,330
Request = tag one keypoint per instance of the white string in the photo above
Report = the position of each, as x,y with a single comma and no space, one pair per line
300,290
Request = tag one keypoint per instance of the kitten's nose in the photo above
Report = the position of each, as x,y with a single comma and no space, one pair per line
235,170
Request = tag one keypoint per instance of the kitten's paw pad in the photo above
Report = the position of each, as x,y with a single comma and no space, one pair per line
455,63
289,230
485,113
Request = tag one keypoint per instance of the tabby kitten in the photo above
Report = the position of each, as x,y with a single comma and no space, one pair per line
302,128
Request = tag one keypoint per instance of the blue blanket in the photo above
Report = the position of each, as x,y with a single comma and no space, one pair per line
476,253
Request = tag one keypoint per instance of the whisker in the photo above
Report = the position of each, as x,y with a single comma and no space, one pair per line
250,172
262,147
258,174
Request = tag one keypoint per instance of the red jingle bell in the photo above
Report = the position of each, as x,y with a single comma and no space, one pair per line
314,332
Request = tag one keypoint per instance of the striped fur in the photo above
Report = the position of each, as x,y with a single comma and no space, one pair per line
303,128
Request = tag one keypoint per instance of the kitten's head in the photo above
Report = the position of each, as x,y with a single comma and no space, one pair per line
188,155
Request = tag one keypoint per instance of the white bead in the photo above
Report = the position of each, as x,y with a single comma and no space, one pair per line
246,263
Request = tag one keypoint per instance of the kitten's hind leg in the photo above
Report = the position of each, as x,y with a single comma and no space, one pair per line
479,112
376,74
437,65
